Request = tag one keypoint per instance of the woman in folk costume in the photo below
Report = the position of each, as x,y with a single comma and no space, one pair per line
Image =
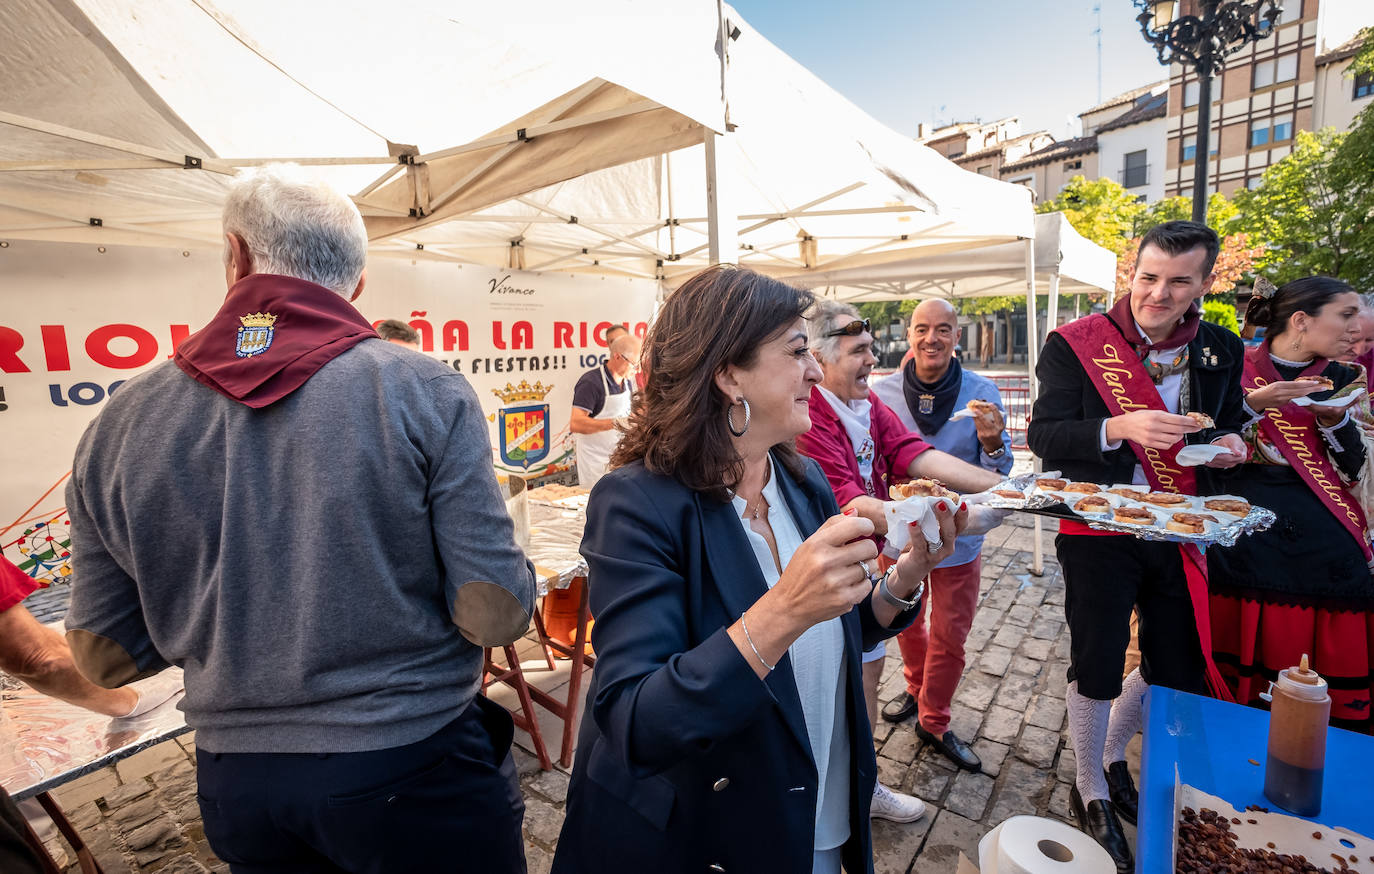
1304,585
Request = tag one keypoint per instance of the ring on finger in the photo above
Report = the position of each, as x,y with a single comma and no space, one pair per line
935,545
863,566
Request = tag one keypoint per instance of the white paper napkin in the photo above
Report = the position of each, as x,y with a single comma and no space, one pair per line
1192,456
900,514
1334,403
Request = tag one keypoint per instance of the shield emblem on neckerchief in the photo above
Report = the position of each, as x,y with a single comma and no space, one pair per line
926,403
255,335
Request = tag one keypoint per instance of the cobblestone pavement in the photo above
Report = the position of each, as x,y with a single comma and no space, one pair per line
141,815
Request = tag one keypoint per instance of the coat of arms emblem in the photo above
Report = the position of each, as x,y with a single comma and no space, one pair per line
255,337
524,427
926,403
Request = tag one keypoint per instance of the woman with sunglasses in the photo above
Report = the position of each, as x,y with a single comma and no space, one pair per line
725,727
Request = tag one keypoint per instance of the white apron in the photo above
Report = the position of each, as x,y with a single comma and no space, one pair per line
594,450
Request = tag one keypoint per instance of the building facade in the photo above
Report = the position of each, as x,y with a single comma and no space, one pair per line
1266,94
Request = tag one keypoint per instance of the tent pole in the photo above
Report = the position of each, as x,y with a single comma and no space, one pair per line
1032,359
721,216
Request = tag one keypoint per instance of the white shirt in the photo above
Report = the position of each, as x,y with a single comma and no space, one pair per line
818,666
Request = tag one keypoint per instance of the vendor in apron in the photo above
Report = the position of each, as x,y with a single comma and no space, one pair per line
601,396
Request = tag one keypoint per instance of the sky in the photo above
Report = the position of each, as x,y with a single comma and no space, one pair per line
911,61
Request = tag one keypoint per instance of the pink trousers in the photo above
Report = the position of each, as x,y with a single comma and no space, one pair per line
933,659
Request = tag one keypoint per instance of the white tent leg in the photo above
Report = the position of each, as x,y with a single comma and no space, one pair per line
721,215
1032,359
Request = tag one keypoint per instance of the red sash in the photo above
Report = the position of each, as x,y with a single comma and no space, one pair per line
1293,429
1124,386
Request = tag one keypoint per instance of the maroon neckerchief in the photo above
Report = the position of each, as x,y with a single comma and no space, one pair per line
271,335
1293,430
1182,335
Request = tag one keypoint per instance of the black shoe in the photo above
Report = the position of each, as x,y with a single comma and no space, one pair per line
953,749
1100,823
1122,790
899,709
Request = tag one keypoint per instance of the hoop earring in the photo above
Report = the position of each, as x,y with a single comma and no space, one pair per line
729,417
1297,341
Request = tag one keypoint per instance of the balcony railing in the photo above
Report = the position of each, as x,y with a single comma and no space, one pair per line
1134,177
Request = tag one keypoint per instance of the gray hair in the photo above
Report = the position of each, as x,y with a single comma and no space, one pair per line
297,226
822,319
623,344
1367,303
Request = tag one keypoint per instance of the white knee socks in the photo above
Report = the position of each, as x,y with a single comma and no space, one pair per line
1125,721
1088,719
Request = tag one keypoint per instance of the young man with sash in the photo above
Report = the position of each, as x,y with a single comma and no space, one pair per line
1113,391
1304,585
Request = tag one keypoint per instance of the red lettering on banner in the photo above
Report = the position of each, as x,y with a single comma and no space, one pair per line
599,334
11,341
562,335
179,335
496,339
425,329
55,347
98,346
455,333
522,336
641,329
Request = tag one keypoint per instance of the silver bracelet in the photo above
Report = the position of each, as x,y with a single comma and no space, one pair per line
886,594
750,640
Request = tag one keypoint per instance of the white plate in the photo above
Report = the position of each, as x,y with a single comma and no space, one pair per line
1333,403
1192,456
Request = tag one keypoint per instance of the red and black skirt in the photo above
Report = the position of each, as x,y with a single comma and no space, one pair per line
1302,587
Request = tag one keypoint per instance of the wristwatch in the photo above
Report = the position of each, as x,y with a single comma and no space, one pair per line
1001,450
886,594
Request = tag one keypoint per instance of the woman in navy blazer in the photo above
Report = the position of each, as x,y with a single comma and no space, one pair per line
697,752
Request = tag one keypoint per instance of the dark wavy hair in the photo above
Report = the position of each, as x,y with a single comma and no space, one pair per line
718,318
1306,295
1177,237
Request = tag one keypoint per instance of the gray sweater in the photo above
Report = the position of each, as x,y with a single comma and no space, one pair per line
301,562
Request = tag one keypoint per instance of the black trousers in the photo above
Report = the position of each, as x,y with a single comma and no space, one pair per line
1104,577
448,803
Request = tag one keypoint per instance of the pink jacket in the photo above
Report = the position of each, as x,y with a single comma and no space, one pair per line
893,449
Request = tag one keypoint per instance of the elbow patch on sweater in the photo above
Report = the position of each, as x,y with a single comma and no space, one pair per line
489,615
101,660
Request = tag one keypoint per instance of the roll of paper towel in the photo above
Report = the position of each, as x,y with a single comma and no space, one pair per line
1035,845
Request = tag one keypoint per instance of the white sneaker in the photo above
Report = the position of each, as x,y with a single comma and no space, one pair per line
894,806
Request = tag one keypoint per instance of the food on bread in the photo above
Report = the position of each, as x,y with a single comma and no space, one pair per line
1203,420
1009,494
981,408
1165,499
920,488
1050,485
1189,523
1228,505
1325,382
1133,494
1083,488
1092,504
1134,515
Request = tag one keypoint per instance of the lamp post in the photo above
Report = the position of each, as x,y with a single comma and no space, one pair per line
1203,41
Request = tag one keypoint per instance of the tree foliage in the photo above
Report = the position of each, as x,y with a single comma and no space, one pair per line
1221,313
1101,210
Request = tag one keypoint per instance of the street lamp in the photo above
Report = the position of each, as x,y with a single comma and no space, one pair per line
1203,42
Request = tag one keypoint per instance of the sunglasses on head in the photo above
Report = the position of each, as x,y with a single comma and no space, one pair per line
853,329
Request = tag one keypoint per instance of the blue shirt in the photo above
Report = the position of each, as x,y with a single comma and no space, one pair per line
958,437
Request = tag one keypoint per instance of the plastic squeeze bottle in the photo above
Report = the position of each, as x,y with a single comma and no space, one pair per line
1299,711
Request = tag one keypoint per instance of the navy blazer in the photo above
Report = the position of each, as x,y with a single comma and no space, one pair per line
686,761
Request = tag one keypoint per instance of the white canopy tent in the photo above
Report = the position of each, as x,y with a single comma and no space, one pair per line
601,140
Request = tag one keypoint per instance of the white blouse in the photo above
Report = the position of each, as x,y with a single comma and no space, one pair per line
818,665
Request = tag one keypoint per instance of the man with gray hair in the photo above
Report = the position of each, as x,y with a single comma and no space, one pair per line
863,448
309,524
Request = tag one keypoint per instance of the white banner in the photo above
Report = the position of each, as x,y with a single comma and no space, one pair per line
75,322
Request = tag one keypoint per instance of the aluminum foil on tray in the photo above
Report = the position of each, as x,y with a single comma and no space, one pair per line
1050,491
